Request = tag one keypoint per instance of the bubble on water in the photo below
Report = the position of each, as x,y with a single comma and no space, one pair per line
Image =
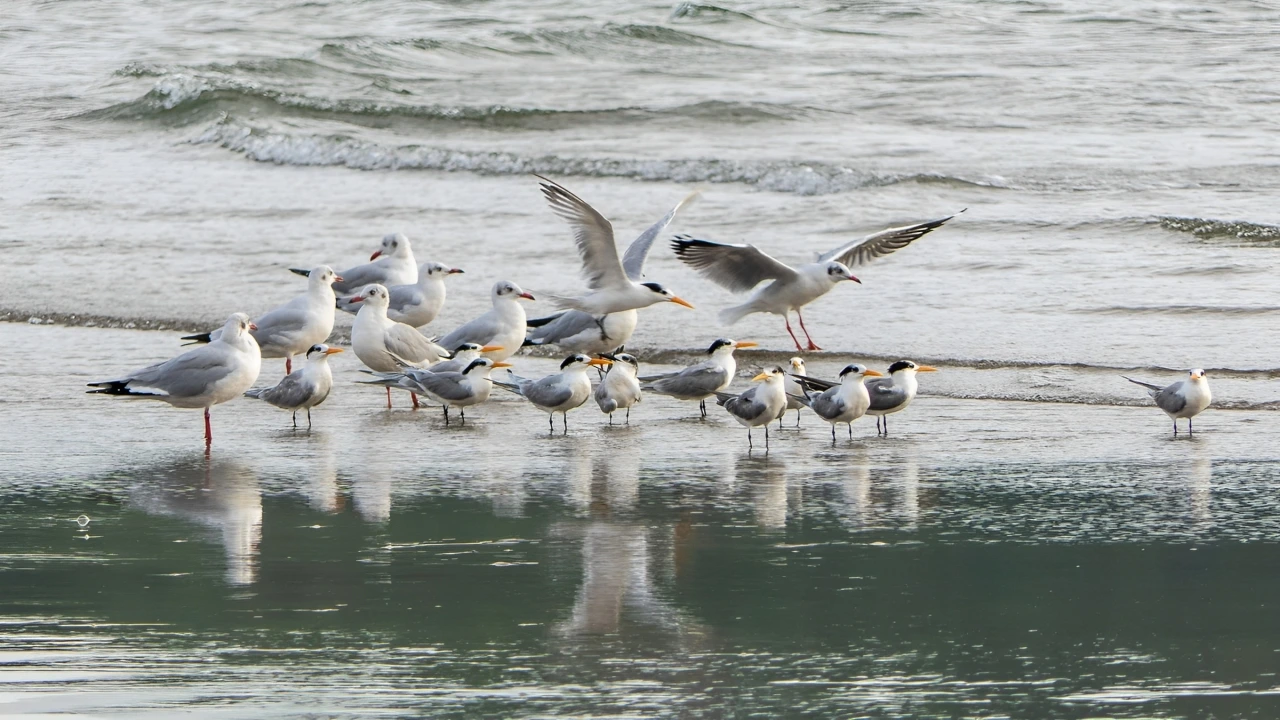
83,521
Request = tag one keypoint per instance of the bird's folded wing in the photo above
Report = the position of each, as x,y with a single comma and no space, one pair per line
291,391
860,252
734,267
409,344
633,259
593,234
479,331
1170,400
189,374
548,393
403,296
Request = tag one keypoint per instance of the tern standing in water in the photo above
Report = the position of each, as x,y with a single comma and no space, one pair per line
794,391
619,389
201,378
559,392
304,389
759,405
739,268
701,380
382,343
841,403
894,393
1183,399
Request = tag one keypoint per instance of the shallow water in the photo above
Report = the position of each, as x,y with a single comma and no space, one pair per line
1029,541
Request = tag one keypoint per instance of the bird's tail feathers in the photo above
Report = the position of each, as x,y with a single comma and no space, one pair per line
118,387
197,339
805,399
724,397
731,315
1147,385
300,271
539,322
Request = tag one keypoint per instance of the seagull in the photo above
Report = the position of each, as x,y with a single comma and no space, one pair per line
702,380
759,405
793,389
391,264
559,392
503,326
379,341
894,393
199,378
295,326
614,288
740,268
841,403
416,304
304,389
619,389
452,388
1183,399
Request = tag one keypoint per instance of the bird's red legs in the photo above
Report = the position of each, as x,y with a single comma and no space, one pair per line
415,400
812,346
388,397
288,364
208,429
787,320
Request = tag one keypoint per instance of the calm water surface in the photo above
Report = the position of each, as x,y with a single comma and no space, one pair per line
1028,543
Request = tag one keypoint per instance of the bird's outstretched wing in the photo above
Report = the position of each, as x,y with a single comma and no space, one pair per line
633,259
735,267
593,234
864,250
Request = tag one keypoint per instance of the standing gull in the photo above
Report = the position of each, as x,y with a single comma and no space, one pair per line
391,264
304,389
503,325
759,405
200,378
295,326
1183,399
416,304
841,403
702,380
380,341
559,392
619,389
613,287
740,268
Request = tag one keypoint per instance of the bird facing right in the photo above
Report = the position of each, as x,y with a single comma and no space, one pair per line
1183,399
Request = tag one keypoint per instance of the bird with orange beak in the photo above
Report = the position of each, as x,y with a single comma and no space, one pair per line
700,380
559,392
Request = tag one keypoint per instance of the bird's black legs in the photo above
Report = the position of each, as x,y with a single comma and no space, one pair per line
766,437
784,412
850,430
295,418
812,345
610,418
702,406
1189,430
797,417
463,413
1175,427
833,433
446,416
564,418
551,421
628,416
794,339
308,418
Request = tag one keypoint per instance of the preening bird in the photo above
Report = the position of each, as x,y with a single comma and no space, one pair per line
292,328
503,325
390,265
201,378
619,389
416,304
304,389
613,288
1183,399
701,380
382,343
559,392
759,405
740,268
841,403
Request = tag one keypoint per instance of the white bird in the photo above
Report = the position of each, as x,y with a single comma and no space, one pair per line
390,265
841,403
304,389
614,288
740,268
451,388
416,304
559,392
503,325
759,405
407,377
793,389
1183,399
200,378
894,393
700,380
379,341
295,326
619,389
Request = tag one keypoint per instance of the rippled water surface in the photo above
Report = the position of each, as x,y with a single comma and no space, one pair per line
1028,542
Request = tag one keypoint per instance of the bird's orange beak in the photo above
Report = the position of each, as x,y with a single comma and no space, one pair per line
679,301
926,368
333,351
873,373
600,362
745,344
490,348
502,364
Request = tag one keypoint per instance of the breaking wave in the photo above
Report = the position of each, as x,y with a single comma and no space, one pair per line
1209,229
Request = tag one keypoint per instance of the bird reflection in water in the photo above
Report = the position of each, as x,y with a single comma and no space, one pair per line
219,494
1200,480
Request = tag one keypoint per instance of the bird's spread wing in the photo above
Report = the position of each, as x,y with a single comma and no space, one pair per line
594,236
446,386
860,252
734,267
405,342
633,259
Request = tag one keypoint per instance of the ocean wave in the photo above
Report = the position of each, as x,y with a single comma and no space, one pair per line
791,177
1181,310
1209,229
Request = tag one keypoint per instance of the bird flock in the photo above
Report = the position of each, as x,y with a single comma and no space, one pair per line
394,297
